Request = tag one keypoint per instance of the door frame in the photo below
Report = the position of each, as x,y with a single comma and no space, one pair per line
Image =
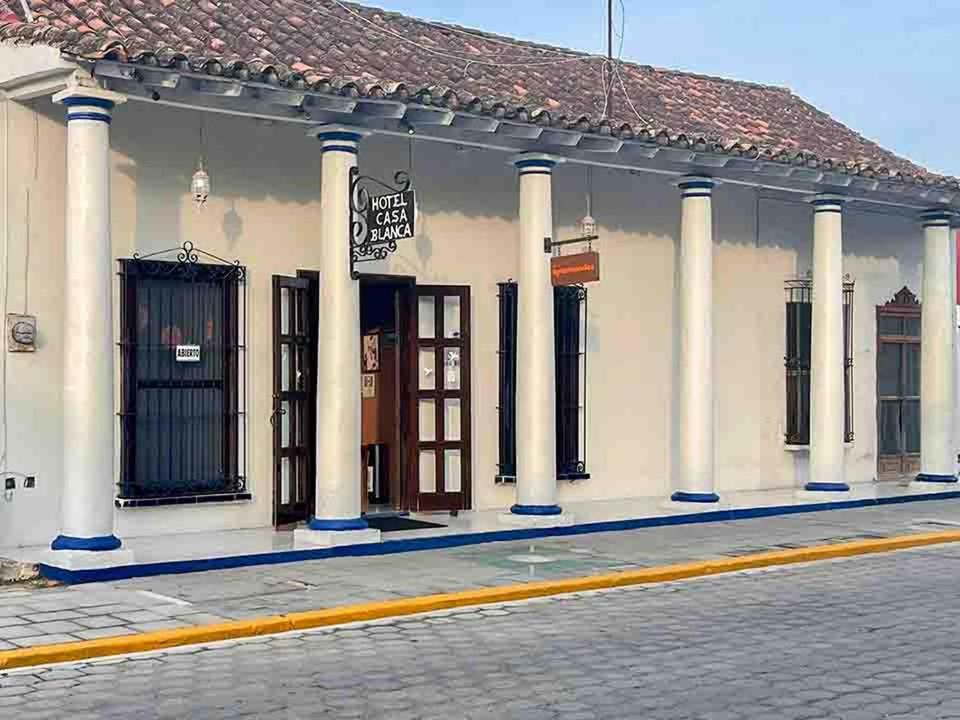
404,436
406,441
903,305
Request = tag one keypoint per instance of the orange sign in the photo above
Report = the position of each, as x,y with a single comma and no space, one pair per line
575,269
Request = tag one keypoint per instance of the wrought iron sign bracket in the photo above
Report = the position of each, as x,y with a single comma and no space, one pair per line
363,248
549,243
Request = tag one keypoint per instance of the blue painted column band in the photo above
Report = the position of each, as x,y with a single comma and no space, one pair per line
927,477
345,524
696,186
683,496
340,135
88,108
826,487
937,217
536,510
94,544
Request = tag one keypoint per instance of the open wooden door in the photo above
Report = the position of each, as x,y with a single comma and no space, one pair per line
294,404
442,465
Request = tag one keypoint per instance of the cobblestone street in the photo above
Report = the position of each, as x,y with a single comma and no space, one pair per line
870,637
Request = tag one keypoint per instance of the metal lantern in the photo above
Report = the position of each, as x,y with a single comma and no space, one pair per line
200,185
588,226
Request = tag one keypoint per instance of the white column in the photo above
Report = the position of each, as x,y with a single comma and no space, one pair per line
694,481
337,513
937,370
826,348
536,368
89,413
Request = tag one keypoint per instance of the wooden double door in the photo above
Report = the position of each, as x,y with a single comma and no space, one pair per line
434,408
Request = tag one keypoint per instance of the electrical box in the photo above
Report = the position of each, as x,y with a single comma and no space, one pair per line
21,333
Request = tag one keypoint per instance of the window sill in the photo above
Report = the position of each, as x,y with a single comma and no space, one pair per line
806,448
184,500
566,477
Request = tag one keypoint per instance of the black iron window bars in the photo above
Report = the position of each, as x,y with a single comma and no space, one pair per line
183,389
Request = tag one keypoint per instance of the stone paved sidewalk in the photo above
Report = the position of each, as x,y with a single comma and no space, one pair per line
65,614
868,638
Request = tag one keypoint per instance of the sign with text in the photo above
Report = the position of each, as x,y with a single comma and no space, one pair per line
575,269
391,217
188,353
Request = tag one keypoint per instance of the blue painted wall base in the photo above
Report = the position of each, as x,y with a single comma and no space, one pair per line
347,524
388,547
536,510
927,477
683,496
94,544
826,487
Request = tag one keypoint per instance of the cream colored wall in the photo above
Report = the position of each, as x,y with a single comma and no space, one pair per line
264,211
32,231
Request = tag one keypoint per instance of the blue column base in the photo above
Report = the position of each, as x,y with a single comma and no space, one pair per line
683,496
927,477
349,524
93,544
826,487
536,510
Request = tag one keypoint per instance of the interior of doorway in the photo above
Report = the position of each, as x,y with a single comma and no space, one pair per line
386,442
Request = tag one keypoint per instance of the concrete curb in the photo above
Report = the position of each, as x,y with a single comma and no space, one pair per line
124,644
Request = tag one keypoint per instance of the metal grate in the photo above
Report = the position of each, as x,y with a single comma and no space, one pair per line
570,334
799,320
507,408
182,421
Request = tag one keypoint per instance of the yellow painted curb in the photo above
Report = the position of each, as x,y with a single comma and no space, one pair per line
121,645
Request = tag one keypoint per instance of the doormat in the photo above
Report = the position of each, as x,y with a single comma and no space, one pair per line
395,524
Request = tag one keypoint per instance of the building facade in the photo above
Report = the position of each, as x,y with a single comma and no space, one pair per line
215,365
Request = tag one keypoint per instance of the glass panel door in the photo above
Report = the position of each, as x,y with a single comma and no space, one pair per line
292,417
442,380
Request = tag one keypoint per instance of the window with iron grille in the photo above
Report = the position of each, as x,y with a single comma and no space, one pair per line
182,398
799,314
569,309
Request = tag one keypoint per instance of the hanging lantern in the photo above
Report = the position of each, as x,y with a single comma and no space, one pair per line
200,185
588,226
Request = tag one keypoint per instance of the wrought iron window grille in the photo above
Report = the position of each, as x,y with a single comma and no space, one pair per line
183,423
570,318
799,314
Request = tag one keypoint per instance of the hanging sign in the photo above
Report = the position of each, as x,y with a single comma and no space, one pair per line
575,269
188,353
378,222
391,217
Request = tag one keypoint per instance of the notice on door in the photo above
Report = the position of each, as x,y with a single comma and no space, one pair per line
188,353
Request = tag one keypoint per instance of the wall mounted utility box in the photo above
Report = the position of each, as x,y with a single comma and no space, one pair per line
21,333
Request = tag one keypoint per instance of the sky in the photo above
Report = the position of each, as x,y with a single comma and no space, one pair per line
887,68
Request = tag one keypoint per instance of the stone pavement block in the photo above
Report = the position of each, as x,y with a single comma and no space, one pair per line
13,632
55,626
95,634
153,625
138,616
52,639
53,615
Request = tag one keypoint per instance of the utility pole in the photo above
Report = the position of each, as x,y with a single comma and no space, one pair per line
609,58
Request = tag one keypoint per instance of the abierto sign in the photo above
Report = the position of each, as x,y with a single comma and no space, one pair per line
575,269
188,353
391,217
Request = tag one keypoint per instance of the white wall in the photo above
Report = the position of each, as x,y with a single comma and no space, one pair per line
264,211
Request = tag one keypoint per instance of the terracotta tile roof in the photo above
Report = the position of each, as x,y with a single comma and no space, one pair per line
347,49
